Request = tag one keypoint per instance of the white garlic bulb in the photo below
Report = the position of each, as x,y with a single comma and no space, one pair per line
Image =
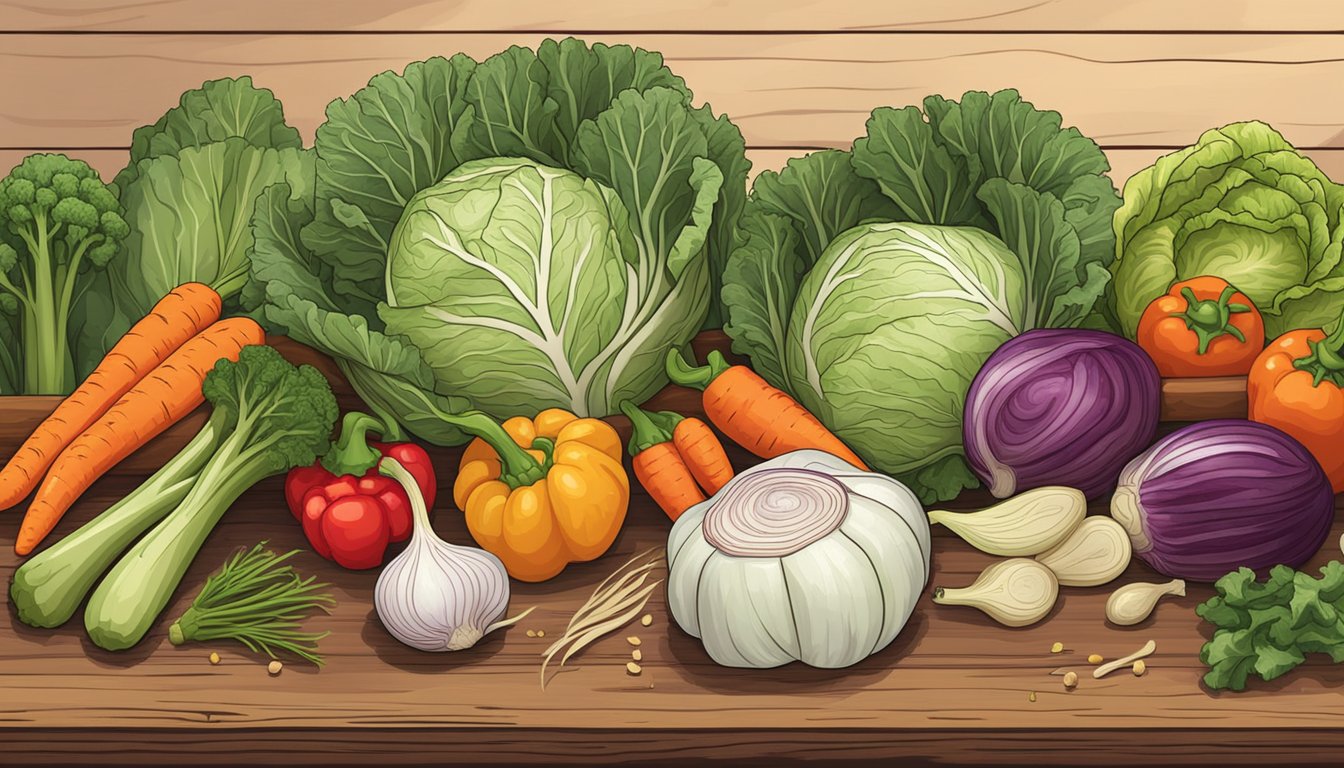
800,558
437,596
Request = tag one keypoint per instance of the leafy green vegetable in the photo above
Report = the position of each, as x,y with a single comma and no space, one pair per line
1266,629
1241,204
574,190
880,329
189,193
58,224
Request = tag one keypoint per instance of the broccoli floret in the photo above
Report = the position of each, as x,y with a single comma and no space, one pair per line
57,220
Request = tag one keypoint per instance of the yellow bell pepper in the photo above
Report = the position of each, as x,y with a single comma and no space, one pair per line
542,493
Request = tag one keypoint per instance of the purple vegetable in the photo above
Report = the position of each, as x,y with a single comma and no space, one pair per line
1215,496
1060,407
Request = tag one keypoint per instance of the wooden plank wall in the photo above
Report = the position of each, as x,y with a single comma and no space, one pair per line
1142,78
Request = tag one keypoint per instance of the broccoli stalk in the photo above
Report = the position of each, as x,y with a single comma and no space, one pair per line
58,220
277,417
268,417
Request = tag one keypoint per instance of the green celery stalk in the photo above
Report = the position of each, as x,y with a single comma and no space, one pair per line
48,588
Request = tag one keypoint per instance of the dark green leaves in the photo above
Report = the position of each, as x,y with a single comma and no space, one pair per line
378,148
1267,628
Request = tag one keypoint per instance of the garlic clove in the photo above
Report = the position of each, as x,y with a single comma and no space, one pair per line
869,525
838,624
1095,553
742,625
684,566
1027,524
1133,603
1014,592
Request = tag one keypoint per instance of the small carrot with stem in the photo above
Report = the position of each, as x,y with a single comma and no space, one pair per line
186,311
703,453
162,398
658,465
754,414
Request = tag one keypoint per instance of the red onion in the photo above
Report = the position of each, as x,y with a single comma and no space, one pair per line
1218,495
1060,407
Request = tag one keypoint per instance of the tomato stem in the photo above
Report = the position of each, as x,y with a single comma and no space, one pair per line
1211,318
1326,361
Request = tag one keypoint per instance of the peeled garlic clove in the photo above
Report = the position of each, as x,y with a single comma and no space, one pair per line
1027,524
1014,592
1133,603
1095,553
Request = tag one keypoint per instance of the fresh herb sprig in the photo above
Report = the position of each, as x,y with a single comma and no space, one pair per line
258,600
1267,628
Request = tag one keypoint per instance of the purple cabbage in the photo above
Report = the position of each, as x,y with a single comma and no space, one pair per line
1215,496
1060,407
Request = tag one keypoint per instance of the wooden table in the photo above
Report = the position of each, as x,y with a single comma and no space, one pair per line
1142,78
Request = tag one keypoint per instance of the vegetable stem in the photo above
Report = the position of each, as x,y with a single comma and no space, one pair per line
352,454
1211,318
646,433
1326,360
696,377
518,467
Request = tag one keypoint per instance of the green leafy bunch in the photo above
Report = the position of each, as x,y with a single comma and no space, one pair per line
58,224
1267,628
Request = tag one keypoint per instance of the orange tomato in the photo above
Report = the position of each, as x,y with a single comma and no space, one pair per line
1202,327
561,501
1295,385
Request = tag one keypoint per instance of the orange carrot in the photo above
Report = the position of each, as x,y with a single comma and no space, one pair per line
168,393
757,416
703,453
184,312
658,465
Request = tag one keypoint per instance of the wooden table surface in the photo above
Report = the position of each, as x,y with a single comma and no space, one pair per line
1142,78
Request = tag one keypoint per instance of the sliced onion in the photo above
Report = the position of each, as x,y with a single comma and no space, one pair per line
775,512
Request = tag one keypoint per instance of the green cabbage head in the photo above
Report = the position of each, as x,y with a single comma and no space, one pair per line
1241,204
525,286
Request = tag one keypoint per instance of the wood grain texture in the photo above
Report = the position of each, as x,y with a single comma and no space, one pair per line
688,15
784,90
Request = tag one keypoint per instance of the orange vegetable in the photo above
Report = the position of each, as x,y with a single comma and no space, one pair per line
659,465
703,453
1202,327
541,493
183,313
755,415
1297,385
162,398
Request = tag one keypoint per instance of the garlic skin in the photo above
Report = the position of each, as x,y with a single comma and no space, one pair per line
1095,553
437,596
800,558
1027,524
1015,592
1133,603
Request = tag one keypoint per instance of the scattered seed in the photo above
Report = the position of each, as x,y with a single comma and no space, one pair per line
214,658
1070,679
1094,659
1057,648
274,667
1031,696
635,641
637,655
541,633
633,668
646,619
531,633
1140,668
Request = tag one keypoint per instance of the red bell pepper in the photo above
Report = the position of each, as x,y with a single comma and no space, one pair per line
350,512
